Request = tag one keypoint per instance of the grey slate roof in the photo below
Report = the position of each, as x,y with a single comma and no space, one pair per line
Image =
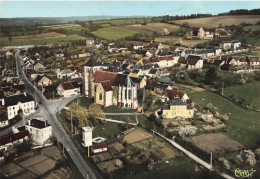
177,101
13,100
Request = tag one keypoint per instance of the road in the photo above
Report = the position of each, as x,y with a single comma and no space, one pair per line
48,113
192,156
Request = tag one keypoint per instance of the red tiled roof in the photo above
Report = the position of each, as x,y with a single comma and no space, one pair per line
106,85
153,71
67,86
253,59
172,49
112,46
167,58
173,93
154,45
104,75
137,44
99,146
145,61
13,137
154,60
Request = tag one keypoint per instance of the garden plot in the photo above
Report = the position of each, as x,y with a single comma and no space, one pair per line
33,160
135,136
52,151
42,167
27,175
215,143
10,169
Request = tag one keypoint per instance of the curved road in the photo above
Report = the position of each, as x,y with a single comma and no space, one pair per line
59,132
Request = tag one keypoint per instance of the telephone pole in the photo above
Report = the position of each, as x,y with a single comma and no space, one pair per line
143,101
222,89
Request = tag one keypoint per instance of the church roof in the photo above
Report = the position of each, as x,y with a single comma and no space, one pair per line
104,75
92,62
106,85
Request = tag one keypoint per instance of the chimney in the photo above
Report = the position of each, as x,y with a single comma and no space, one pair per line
29,122
24,93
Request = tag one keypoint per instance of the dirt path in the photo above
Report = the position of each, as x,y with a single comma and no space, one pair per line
191,87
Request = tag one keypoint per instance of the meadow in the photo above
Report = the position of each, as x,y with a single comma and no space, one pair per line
114,33
45,38
224,20
153,28
247,91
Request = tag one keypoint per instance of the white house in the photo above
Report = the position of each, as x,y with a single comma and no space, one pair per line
138,46
194,62
68,89
253,60
63,74
23,102
8,141
40,130
87,136
112,47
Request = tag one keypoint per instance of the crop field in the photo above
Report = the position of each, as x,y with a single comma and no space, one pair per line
215,142
243,125
61,26
135,136
173,39
46,38
153,27
114,33
224,20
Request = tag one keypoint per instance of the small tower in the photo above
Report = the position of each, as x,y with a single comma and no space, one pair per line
87,136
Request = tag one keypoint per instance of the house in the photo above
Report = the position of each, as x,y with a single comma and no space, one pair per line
64,74
165,80
8,141
90,42
3,117
253,60
226,67
82,55
237,61
153,73
230,45
59,54
40,130
218,63
138,46
112,47
68,89
205,52
161,88
99,45
171,94
38,67
23,102
42,81
124,90
203,33
155,46
177,108
136,73
194,62
187,52
8,54
97,148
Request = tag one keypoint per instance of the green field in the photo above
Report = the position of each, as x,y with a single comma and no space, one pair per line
247,91
252,27
243,125
114,33
38,41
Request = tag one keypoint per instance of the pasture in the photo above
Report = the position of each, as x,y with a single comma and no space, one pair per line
38,39
61,26
247,91
152,28
224,20
243,125
171,40
215,143
114,33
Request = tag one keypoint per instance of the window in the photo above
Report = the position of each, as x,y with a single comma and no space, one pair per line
13,108
129,94
95,88
100,96
125,93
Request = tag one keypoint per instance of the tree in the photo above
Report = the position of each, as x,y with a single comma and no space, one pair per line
79,113
210,76
186,24
95,112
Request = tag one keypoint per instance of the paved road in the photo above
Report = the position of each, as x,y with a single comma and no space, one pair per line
48,112
192,156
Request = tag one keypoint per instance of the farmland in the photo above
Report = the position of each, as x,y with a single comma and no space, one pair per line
44,38
114,33
153,28
224,20
61,26
243,124
173,39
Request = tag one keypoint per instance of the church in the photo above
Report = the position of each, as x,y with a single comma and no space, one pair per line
108,88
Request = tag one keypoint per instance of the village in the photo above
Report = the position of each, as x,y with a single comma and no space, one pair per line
131,108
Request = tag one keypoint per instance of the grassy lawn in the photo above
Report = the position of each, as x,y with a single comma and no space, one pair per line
114,33
38,41
248,91
243,125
